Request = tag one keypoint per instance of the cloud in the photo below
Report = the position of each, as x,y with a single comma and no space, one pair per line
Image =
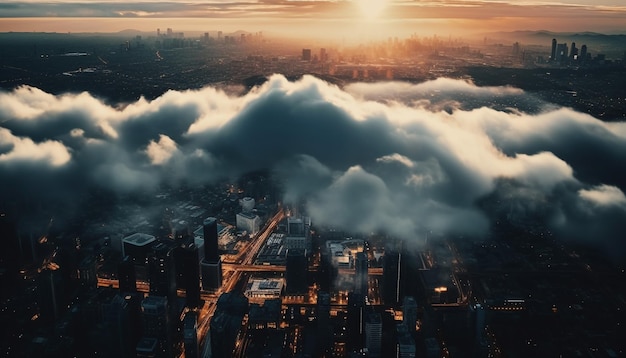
380,157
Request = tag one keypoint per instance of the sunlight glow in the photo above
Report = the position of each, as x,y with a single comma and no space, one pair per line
371,8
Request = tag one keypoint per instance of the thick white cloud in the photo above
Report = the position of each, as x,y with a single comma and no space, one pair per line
392,157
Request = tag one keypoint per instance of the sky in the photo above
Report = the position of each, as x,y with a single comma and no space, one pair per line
321,17
391,157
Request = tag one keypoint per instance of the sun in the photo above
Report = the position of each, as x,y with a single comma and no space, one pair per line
371,8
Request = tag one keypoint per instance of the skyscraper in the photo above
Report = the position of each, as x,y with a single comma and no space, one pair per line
157,323
211,265
373,334
324,329
161,272
188,272
126,275
306,54
356,305
392,284
209,229
296,272
409,313
553,52
360,273
190,335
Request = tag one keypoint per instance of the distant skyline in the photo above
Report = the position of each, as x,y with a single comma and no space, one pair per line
338,19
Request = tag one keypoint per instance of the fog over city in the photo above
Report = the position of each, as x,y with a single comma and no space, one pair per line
390,157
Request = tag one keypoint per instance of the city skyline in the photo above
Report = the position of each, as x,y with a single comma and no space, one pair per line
322,19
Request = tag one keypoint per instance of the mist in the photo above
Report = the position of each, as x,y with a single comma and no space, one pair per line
390,157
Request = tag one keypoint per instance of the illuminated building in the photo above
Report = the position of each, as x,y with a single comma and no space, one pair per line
266,288
249,222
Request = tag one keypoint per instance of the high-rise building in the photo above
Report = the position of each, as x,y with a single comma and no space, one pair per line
561,53
405,348
190,335
126,275
306,54
553,52
323,55
392,284
209,229
226,323
118,339
162,273
354,322
324,328
188,273
157,323
50,298
360,273
573,53
373,334
409,313
211,265
583,54
296,272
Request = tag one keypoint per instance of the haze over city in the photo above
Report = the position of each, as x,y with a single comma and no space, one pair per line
368,178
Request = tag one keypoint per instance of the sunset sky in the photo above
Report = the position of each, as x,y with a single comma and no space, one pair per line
299,17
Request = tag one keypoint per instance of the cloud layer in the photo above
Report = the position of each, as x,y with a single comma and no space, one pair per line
420,159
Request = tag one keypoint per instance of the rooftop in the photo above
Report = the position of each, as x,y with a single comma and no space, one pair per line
139,239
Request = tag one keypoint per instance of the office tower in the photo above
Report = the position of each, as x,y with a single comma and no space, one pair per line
324,328
409,313
392,284
190,335
296,272
137,246
583,54
356,306
117,328
209,230
135,321
561,53
373,334
405,347
573,53
161,273
226,323
188,273
211,265
50,297
157,323
126,275
360,273
553,52
306,54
